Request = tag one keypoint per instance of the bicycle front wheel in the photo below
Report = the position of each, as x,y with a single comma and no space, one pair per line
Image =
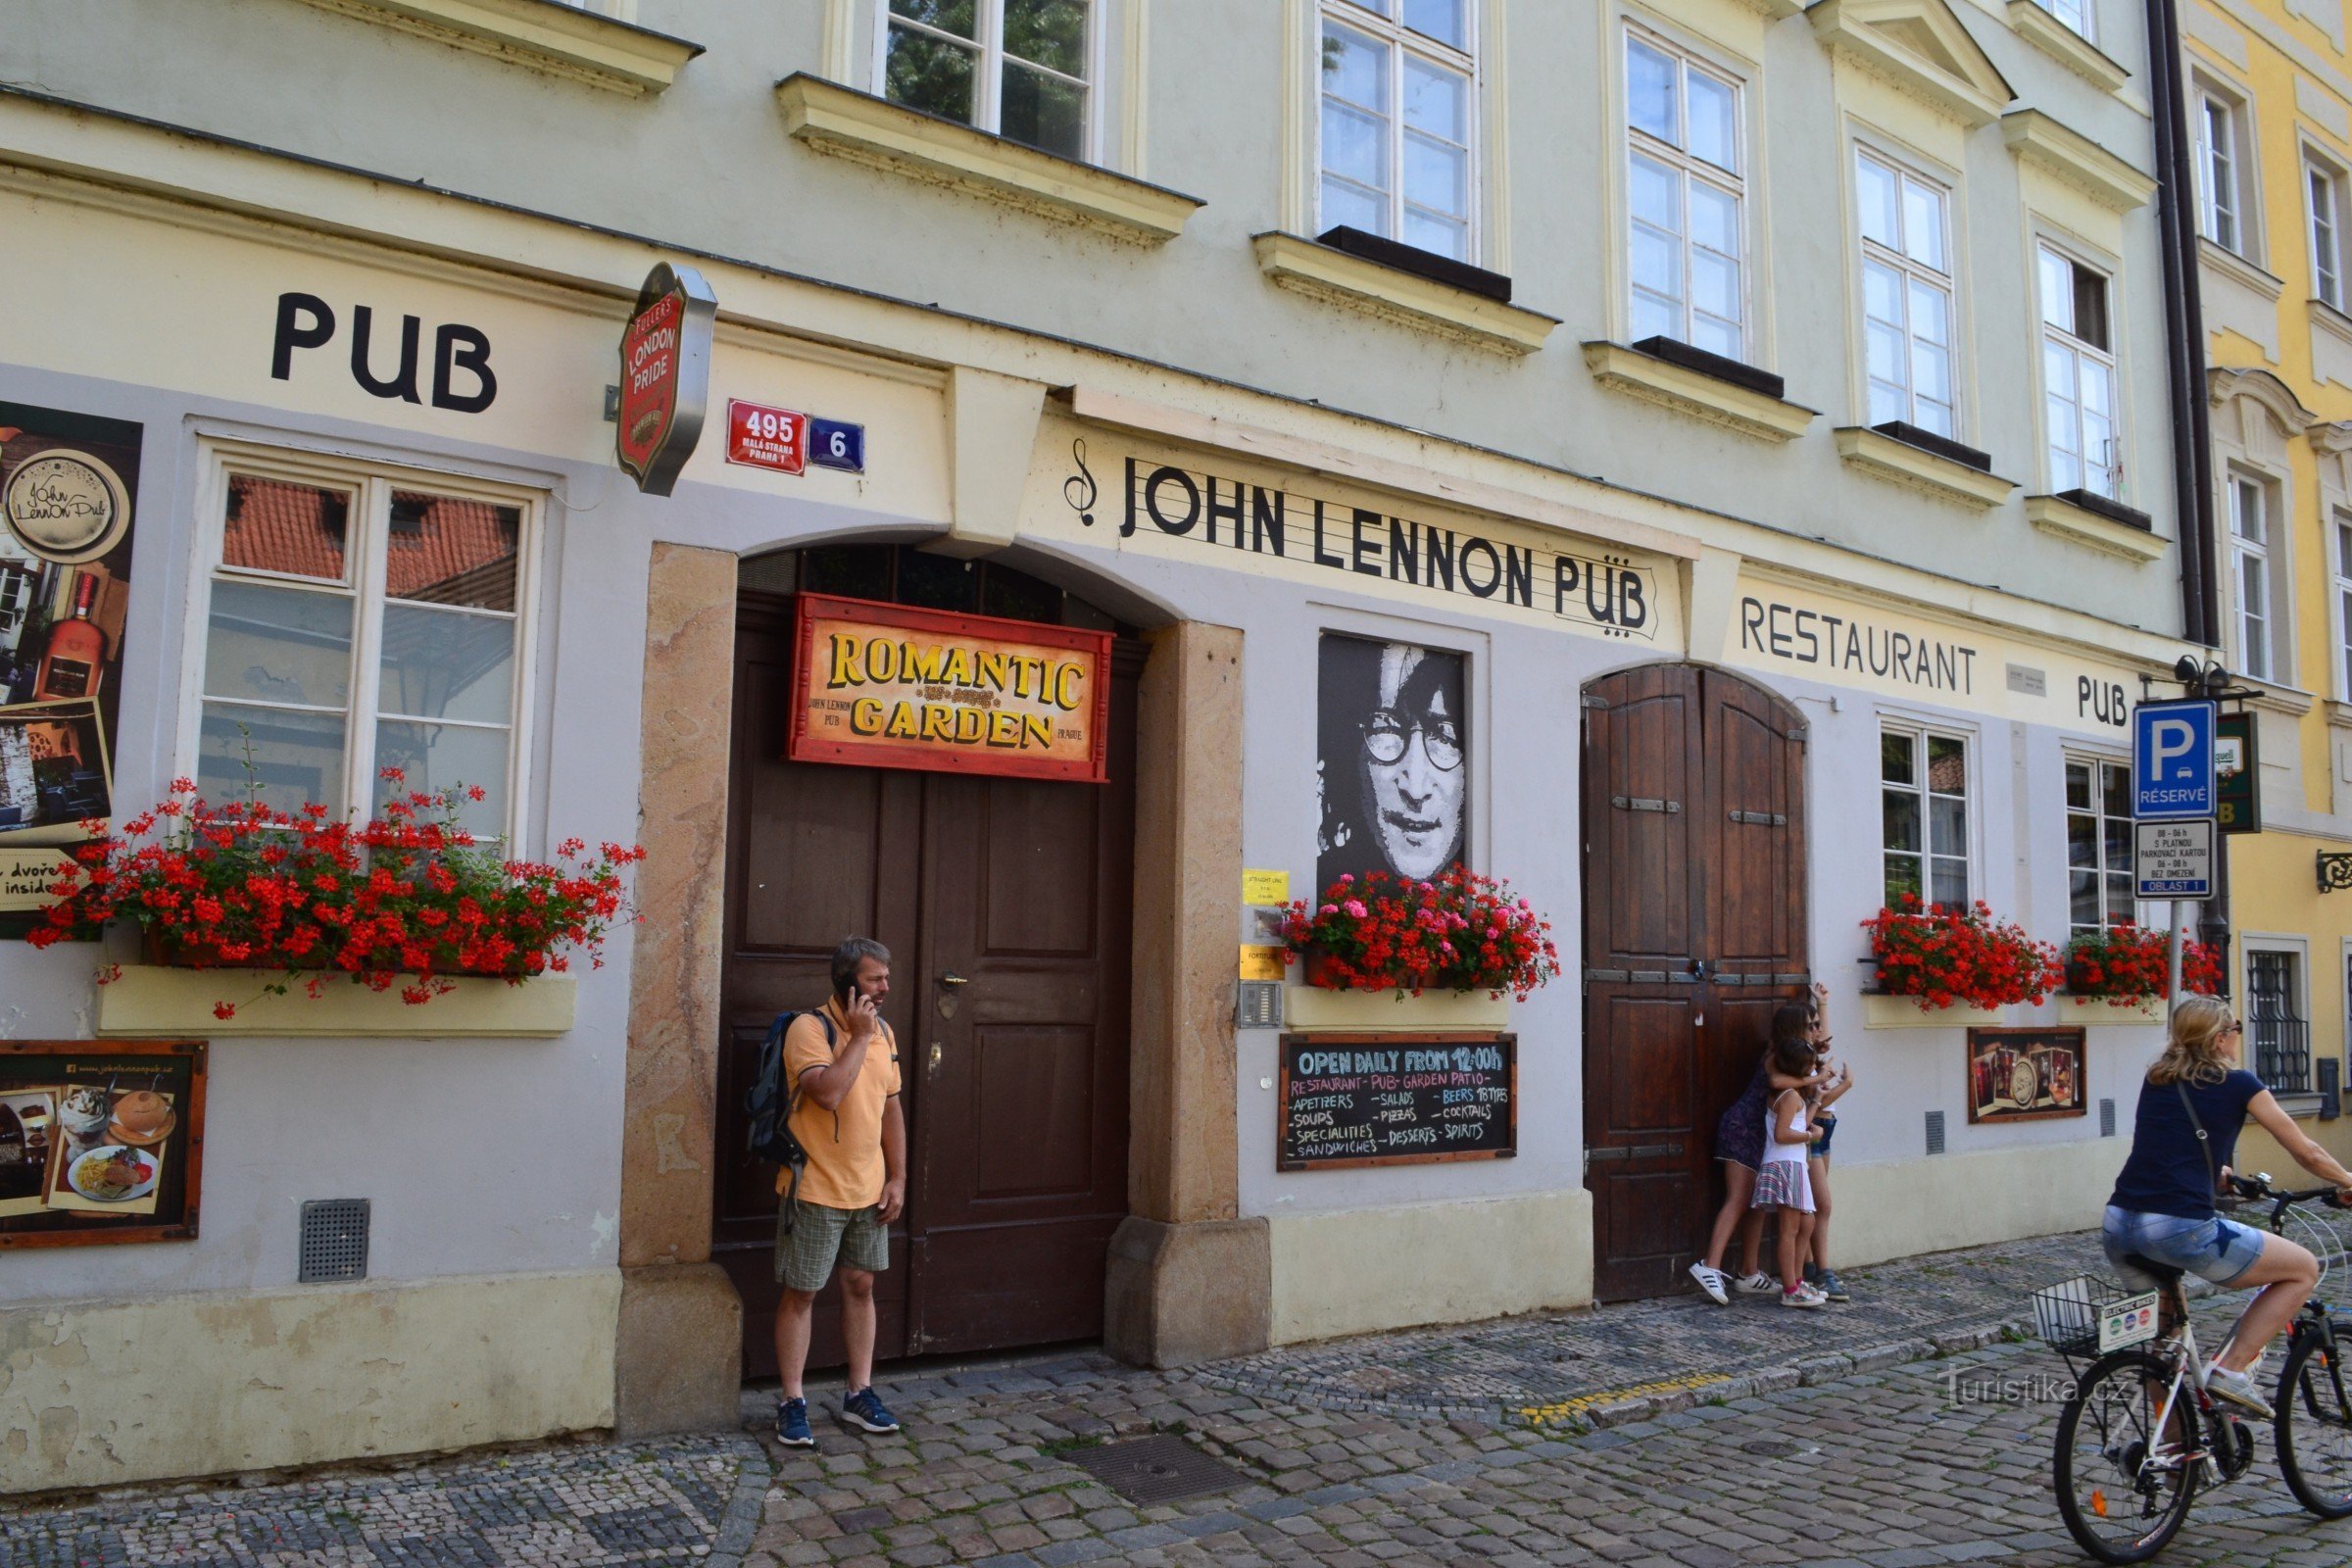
2123,1486
2315,1427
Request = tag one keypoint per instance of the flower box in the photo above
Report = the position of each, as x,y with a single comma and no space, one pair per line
1882,1011
146,1000
2093,1012
1456,933
1311,1008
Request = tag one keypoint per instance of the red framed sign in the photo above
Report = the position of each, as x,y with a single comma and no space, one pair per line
879,685
664,376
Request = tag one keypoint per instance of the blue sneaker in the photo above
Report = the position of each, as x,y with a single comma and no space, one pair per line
792,1423
865,1411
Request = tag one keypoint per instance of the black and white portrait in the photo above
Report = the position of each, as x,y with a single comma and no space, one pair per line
1391,759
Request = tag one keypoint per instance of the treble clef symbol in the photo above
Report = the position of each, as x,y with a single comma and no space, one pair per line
1079,488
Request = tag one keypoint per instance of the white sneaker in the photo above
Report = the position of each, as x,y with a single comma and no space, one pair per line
2238,1389
1804,1295
1757,1284
1710,1280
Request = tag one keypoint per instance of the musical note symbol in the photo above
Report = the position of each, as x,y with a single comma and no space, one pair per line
1079,488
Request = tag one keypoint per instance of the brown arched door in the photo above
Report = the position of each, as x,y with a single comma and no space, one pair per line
1695,930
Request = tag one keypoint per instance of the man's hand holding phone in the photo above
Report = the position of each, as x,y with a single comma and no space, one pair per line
863,1018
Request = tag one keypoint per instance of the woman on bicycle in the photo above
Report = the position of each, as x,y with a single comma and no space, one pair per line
2163,1210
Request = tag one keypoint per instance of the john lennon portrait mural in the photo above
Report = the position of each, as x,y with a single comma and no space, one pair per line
1392,758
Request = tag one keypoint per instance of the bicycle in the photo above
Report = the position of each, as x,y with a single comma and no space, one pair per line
2141,1432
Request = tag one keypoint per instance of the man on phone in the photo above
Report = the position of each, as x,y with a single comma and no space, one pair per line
842,1062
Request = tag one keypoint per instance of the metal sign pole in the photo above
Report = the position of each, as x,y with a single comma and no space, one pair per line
2171,972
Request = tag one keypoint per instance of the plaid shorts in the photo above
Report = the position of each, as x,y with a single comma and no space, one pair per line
805,1253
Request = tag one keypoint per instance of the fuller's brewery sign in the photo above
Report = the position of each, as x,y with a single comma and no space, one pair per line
664,375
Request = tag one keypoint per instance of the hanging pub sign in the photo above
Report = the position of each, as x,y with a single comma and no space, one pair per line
664,375
2236,767
880,685
2026,1074
100,1140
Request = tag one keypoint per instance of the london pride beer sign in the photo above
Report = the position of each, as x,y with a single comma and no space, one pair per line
664,376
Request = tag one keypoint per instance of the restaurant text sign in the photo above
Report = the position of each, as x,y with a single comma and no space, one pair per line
893,686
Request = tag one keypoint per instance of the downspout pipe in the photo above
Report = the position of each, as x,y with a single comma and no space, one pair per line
2184,329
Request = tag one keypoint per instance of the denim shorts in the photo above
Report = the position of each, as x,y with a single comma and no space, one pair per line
2215,1248
1828,1130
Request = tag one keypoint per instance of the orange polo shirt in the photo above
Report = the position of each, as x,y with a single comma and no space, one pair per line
845,1169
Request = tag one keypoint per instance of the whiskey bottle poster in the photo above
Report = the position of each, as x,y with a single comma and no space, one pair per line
68,488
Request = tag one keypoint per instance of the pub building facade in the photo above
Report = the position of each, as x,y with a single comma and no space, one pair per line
1708,660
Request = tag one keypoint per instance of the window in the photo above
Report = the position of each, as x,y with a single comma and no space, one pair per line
2343,604
2323,189
1397,78
2098,845
1923,805
2078,372
2076,14
355,621
1683,191
2250,574
2278,1038
1016,68
2217,143
1906,297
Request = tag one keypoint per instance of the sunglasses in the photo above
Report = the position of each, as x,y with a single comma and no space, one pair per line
2233,1027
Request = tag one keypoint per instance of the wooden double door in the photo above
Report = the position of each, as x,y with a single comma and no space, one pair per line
1694,931
1005,904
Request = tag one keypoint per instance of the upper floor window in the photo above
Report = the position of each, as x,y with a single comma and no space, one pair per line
2251,530
1906,296
1398,108
2078,368
1923,792
2220,152
2076,14
2098,845
2343,604
1684,187
2323,201
354,620
1016,68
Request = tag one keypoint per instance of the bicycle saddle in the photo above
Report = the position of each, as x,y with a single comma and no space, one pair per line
2165,1273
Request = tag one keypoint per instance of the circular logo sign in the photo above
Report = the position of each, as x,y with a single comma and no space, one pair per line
66,507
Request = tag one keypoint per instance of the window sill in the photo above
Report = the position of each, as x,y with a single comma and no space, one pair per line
2301,1103
545,36
2076,525
2334,323
2062,43
1312,1008
1694,392
147,1000
828,117
2238,269
2271,697
1902,463
1318,271
2092,1012
2069,156
1881,1012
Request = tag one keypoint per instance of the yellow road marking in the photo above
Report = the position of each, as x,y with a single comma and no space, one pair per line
1549,1415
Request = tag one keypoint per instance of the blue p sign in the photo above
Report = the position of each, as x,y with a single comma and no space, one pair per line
2172,760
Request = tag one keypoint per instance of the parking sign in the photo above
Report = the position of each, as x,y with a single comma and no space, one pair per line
2172,760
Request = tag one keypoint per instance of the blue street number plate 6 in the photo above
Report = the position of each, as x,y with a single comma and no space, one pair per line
835,444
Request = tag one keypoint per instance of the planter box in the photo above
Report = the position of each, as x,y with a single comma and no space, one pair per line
1370,1012
1903,1012
2093,1012
164,1002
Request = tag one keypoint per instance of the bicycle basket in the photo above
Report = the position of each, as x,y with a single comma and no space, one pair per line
2066,1316
2321,1230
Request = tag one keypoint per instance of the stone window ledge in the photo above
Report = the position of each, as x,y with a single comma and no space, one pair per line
1902,463
146,1000
1641,376
2066,155
2033,23
543,36
2238,269
1882,1011
828,117
1320,272
2301,1103
2055,514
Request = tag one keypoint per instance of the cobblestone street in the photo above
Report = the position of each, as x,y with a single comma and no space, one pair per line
1909,1428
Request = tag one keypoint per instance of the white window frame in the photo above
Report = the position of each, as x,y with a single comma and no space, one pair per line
2291,946
366,572
988,83
2339,555
2264,558
2323,189
2233,226
1921,731
2097,763
1688,166
1910,272
2080,349
2084,23
1399,41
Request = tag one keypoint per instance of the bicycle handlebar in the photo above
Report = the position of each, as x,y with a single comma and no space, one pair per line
2259,1186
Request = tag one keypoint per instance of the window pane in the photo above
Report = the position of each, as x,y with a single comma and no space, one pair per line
929,73
1657,262
1437,175
1898,758
277,645
1043,111
275,526
2097,383
1947,825
1930,314
1354,207
2117,789
2077,786
2245,511
2083,841
1884,347
1947,764
1656,318
1050,33
1437,101
1902,876
1717,337
1882,293
1649,88
1355,68
1950,879
1931,373
2057,291
1443,236
2118,842
444,663
1440,20
949,15
295,757
1899,819
2082,898
1875,193
1714,218
1889,402
1714,121
445,550
439,757
2066,464
1656,192
1922,224
2120,903
1356,147
1935,418
1714,285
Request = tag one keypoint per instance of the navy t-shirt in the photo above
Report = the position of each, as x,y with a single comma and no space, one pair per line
2166,1172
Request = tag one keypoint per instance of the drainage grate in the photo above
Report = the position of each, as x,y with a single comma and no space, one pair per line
335,1239
1935,1132
2106,1118
1157,1469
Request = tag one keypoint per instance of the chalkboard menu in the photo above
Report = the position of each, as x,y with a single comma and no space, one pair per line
1396,1100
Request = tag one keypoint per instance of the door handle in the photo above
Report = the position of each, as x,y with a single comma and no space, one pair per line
934,1065
954,980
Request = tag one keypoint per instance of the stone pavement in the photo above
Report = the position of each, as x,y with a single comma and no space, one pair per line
1909,1428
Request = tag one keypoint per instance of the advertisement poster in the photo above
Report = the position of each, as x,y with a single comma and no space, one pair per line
67,486
100,1140
1391,760
2025,1074
891,686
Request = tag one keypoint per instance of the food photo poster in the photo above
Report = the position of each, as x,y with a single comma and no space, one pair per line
99,1141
